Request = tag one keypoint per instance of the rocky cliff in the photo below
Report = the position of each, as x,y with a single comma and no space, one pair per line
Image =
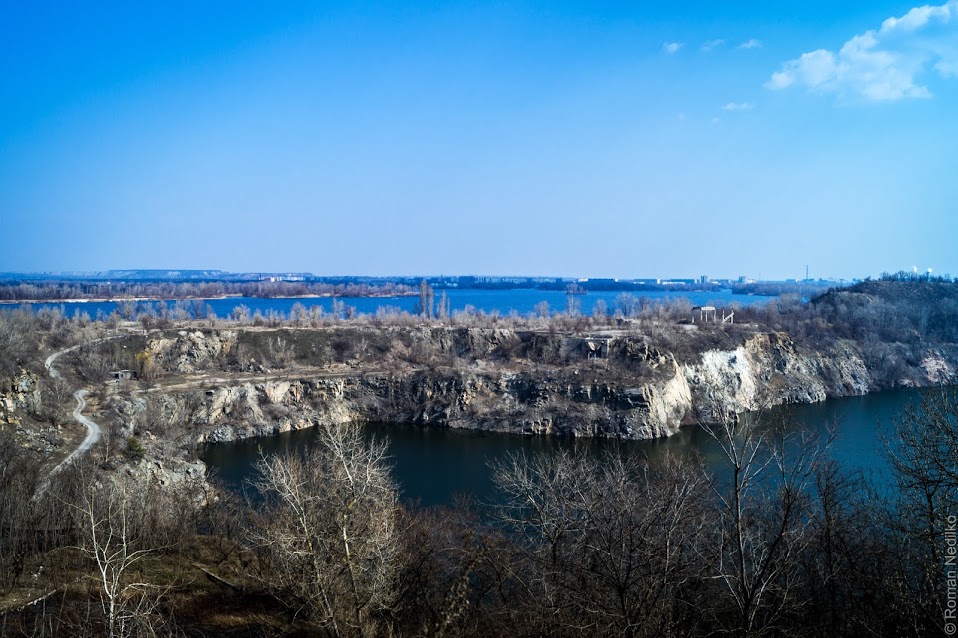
615,384
527,403
20,395
768,369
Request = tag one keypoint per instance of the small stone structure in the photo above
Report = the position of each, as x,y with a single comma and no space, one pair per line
594,347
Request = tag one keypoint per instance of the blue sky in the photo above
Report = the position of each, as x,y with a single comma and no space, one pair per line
590,139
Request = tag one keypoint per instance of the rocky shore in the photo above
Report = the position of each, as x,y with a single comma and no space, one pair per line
613,384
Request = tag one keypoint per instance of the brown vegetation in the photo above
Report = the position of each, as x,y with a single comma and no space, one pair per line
781,541
198,291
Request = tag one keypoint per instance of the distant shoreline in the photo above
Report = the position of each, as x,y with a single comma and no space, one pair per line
236,296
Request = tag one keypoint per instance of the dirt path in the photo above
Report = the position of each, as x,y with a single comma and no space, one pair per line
93,429
206,382
93,432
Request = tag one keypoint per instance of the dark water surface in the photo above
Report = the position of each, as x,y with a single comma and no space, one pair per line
432,464
522,301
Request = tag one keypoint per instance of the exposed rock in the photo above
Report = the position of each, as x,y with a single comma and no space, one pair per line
613,384
769,370
937,368
21,394
189,351
168,472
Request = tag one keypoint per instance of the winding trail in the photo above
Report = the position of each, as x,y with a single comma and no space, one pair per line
93,430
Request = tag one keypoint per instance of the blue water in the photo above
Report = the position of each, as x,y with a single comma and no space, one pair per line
522,302
432,464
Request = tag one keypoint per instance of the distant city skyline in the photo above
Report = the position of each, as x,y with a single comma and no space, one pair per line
452,275
213,274
525,139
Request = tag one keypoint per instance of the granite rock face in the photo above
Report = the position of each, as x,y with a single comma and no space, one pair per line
611,385
519,403
770,370
190,351
19,395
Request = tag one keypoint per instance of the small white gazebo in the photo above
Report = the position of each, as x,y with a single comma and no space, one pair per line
704,313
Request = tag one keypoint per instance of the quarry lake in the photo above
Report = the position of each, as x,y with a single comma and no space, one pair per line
521,301
432,464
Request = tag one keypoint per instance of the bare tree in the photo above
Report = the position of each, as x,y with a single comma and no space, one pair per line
425,307
19,475
601,309
111,520
18,342
923,453
613,544
331,534
445,307
765,519
56,398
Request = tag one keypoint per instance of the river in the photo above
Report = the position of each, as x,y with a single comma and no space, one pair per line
433,465
521,301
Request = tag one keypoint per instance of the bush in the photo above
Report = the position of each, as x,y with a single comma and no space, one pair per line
134,449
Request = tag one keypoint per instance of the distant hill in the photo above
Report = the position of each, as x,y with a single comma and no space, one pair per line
895,310
161,275
151,275
905,293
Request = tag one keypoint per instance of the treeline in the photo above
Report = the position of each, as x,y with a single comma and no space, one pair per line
893,321
904,275
781,541
805,289
896,308
55,291
74,290
24,335
894,311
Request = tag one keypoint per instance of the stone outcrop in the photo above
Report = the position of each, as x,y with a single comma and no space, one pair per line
770,370
502,402
189,351
21,394
613,385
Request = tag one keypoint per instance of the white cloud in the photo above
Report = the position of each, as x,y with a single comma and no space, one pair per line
882,64
672,47
751,44
708,45
738,106
918,17
948,69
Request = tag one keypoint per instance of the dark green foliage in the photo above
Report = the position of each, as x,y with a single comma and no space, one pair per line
134,449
